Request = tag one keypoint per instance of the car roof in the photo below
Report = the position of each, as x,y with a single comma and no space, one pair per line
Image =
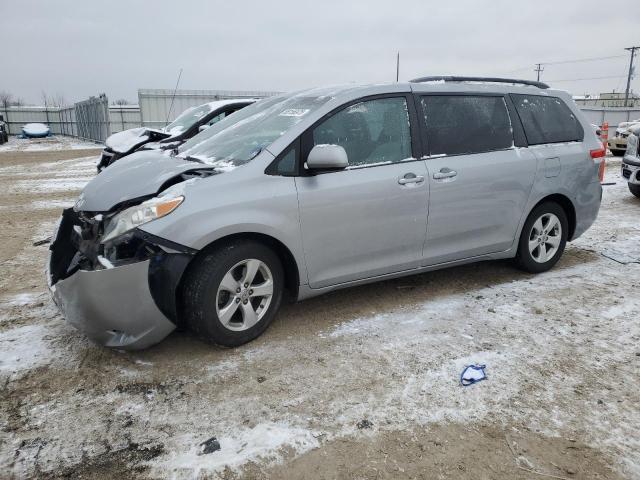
343,93
231,101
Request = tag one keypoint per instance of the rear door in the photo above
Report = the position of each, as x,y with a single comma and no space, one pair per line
479,180
369,219
556,137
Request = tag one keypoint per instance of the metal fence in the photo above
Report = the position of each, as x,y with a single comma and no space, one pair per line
92,118
124,117
89,119
613,116
159,107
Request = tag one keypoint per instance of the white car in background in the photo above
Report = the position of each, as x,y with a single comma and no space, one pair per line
188,124
618,144
631,161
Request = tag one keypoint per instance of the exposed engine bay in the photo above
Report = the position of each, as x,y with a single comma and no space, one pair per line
80,244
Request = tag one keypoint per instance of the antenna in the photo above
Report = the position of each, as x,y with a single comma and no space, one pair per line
398,67
173,98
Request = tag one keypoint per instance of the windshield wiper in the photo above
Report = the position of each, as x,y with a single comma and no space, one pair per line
193,159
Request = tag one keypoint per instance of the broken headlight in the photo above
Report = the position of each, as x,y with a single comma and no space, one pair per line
135,216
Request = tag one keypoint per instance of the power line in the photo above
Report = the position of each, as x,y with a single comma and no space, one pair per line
592,59
580,79
561,62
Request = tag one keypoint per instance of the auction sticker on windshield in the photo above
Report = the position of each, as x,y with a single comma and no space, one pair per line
294,112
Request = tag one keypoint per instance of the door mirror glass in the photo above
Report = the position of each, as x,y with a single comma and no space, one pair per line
327,157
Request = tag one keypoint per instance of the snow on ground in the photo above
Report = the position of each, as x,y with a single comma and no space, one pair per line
54,142
50,177
561,351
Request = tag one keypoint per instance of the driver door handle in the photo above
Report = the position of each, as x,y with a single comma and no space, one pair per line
444,173
410,178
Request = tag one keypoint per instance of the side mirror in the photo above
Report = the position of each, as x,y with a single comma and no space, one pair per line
202,128
323,157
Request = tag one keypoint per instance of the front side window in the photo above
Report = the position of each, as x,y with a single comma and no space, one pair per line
371,132
466,124
547,119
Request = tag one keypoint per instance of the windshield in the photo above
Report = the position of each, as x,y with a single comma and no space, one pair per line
241,137
186,119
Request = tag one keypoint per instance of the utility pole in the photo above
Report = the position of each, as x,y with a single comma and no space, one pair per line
626,93
398,67
538,69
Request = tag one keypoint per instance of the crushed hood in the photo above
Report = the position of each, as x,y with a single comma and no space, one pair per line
128,140
140,174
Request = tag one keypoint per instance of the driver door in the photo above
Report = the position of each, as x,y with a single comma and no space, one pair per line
370,218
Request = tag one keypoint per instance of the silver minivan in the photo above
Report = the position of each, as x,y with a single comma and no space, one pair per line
307,192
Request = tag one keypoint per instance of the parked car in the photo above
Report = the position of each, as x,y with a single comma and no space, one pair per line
4,131
631,161
35,130
189,123
324,189
618,144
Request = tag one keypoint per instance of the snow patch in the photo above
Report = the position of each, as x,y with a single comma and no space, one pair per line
262,442
55,142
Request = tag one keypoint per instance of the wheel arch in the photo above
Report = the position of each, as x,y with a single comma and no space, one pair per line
289,264
568,207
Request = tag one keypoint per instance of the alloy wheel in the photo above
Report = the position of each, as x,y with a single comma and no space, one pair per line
244,294
545,237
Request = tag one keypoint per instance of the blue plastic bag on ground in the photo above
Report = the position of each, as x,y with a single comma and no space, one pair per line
472,374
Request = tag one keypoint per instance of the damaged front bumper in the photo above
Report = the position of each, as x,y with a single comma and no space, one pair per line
131,304
113,307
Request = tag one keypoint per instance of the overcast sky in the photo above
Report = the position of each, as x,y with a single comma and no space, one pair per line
81,48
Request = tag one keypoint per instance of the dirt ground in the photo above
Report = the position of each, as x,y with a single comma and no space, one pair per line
357,384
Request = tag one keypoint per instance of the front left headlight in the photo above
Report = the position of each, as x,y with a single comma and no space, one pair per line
137,215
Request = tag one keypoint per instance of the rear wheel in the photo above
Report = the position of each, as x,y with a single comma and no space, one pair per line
543,238
635,189
232,294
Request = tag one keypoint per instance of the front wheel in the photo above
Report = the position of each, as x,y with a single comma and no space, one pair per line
543,238
635,189
618,153
232,294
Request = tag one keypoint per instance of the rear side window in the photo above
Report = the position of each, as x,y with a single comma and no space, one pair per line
458,124
547,120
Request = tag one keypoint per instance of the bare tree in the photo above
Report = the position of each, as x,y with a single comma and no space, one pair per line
6,99
121,101
45,99
58,100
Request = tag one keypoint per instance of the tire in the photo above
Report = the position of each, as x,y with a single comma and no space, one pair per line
635,189
535,260
221,316
618,153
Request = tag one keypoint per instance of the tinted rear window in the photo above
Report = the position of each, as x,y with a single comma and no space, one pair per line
547,119
466,124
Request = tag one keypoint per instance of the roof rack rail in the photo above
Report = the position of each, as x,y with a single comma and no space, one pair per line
450,78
